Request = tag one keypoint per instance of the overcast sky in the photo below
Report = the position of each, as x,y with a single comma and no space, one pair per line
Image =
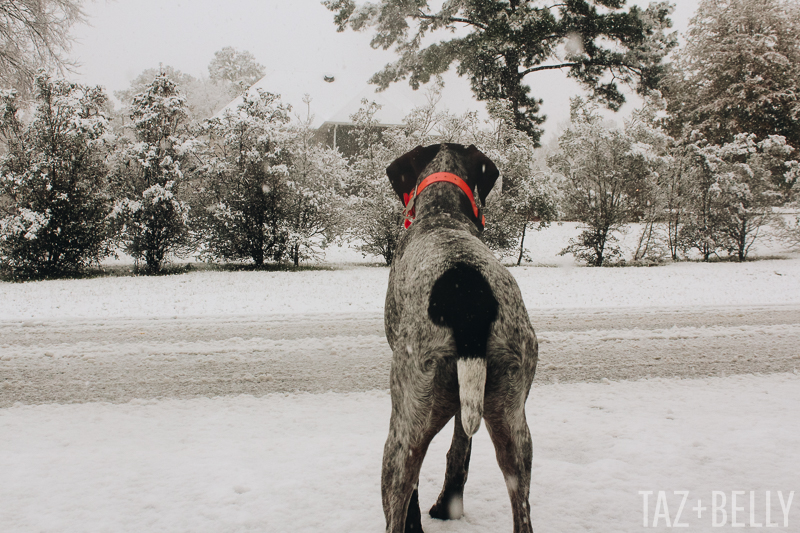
125,37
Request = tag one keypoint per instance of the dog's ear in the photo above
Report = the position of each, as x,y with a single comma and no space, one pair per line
483,171
404,171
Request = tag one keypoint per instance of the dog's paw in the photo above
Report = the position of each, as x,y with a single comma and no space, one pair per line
448,508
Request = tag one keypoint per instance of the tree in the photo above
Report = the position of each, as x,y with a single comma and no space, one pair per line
53,175
34,34
739,72
244,181
377,220
658,193
604,170
739,191
497,44
699,228
314,204
203,97
529,192
149,178
238,68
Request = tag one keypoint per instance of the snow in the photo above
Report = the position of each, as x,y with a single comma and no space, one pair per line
308,462
311,462
362,289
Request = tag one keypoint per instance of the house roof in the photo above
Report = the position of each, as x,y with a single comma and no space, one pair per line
335,96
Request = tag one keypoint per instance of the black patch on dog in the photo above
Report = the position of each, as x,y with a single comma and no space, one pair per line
462,300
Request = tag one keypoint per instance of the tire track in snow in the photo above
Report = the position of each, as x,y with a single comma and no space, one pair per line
118,360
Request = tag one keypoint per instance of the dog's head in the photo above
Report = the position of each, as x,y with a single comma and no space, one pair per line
469,163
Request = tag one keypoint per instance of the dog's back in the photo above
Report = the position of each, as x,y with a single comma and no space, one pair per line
443,299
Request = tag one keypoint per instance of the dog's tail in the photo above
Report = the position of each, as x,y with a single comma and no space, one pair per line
462,300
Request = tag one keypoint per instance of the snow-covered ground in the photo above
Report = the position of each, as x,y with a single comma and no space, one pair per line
362,289
311,462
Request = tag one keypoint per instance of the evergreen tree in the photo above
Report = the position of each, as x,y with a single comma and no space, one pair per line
733,201
244,181
315,205
498,43
739,72
53,180
149,179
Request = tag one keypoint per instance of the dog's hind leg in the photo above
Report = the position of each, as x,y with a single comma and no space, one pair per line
512,442
403,453
450,505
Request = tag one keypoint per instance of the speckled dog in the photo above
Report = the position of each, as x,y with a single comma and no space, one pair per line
461,338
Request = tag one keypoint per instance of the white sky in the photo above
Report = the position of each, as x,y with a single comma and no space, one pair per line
125,37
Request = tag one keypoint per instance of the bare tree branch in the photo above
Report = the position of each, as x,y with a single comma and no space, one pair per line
34,34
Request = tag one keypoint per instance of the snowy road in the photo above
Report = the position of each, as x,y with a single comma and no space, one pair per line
118,359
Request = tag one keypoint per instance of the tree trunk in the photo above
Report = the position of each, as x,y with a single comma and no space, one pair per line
522,244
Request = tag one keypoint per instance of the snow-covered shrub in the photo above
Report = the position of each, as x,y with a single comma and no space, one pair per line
607,181
151,211
739,184
268,192
314,206
53,197
243,181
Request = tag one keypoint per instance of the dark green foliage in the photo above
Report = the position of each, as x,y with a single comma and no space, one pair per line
53,182
496,44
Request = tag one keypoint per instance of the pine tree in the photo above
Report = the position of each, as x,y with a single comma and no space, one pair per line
739,72
498,43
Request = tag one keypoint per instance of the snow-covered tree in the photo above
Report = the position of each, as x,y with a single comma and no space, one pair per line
529,189
53,180
659,192
236,67
149,177
736,196
739,72
607,172
244,181
314,206
203,96
269,191
376,219
498,43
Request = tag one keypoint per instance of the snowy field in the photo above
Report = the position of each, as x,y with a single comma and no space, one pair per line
311,462
355,286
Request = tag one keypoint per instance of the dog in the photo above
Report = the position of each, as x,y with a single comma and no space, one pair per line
461,338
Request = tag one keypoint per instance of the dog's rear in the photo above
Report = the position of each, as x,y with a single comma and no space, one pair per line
462,300
462,341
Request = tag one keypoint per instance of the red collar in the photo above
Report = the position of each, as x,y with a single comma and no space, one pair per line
448,177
